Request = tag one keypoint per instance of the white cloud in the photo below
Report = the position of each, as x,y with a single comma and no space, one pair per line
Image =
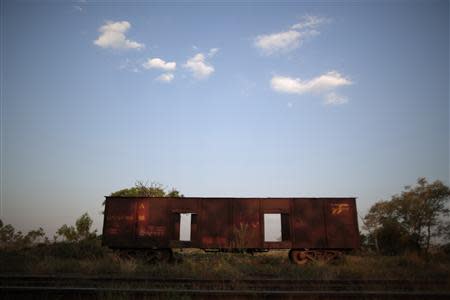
199,67
318,84
158,63
323,85
166,77
113,36
291,39
278,42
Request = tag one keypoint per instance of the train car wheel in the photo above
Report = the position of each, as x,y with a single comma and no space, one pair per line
302,257
299,257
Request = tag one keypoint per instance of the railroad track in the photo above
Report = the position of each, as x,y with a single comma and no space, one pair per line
46,286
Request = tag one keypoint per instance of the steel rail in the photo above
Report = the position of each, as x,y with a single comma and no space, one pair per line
11,290
255,285
58,277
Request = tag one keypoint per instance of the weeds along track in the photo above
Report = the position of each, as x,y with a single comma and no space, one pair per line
141,287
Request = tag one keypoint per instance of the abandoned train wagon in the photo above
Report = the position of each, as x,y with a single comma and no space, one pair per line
312,228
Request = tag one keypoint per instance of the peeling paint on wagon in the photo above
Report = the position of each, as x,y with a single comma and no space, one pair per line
230,223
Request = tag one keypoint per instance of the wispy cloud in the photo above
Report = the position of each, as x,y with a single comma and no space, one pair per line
324,85
158,63
335,99
113,36
213,51
278,42
199,67
286,41
166,77
309,22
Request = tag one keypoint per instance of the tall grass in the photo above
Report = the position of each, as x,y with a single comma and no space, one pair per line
93,259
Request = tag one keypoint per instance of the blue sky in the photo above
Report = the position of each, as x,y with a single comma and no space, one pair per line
255,99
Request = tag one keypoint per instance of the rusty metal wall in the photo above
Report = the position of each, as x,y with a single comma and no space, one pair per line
308,223
215,223
230,222
246,230
153,222
119,222
341,223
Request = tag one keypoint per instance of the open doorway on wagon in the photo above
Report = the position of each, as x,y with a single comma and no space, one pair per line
276,227
186,222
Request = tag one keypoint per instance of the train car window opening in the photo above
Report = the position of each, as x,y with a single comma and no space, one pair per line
185,226
272,228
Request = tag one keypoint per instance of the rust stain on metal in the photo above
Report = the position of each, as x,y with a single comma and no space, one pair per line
230,223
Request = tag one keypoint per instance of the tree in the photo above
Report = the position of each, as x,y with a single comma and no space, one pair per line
174,193
7,233
141,189
413,218
68,233
83,226
81,231
9,238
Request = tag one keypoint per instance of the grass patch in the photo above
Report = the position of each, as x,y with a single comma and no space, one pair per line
95,260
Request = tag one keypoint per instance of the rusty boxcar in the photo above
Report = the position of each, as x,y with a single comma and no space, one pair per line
312,228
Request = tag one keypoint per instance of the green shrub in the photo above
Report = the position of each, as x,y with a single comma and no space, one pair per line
85,249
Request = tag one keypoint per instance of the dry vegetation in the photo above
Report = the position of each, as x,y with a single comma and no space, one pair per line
91,258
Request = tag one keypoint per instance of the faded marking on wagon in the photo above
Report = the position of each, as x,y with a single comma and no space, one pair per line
338,208
153,231
120,218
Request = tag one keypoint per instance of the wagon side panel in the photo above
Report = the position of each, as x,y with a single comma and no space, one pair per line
153,224
342,224
119,223
215,222
246,231
308,223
